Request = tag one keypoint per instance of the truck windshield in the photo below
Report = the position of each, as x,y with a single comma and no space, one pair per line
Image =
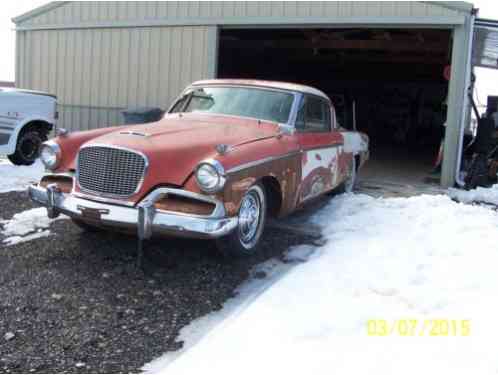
256,103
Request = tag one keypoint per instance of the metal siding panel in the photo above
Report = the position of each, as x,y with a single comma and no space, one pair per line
186,67
96,84
37,59
111,10
134,69
18,58
303,9
97,72
402,8
252,8
124,51
165,39
62,65
153,72
51,60
229,9
144,67
106,66
114,67
162,9
343,9
290,8
172,9
317,8
174,69
77,96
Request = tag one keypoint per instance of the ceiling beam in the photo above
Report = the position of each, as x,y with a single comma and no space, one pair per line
372,45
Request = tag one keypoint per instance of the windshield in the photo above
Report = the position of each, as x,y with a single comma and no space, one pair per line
238,101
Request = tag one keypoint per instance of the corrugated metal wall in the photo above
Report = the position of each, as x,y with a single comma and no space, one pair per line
92,11
98,72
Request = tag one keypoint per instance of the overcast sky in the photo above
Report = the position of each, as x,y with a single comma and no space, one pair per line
487,81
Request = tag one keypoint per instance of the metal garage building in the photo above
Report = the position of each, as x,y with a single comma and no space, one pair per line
101,57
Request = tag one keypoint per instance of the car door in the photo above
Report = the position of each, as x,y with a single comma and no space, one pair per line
321,147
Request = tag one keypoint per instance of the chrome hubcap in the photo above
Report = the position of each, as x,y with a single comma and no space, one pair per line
249,216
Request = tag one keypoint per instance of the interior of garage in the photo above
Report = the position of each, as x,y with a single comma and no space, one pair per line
388,83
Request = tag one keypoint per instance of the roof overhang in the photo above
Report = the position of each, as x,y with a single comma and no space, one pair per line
37,11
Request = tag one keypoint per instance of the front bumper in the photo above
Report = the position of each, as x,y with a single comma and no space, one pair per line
144,219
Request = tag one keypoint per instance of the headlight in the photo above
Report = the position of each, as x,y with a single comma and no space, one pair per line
210,176
50,155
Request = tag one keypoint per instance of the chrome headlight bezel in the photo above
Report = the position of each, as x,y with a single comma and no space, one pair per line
214,168
53,148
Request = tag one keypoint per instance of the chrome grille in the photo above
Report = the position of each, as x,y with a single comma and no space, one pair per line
110,171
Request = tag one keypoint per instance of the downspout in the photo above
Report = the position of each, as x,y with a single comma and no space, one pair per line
468,73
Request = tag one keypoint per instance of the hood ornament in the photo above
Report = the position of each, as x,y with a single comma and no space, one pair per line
222,148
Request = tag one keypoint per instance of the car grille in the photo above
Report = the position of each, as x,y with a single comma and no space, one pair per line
110,171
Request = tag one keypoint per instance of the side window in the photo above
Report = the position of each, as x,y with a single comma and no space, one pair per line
313,115
333,117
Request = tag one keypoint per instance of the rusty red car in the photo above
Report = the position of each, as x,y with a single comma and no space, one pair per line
224,157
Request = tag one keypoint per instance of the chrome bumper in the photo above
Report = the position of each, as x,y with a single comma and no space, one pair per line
144,219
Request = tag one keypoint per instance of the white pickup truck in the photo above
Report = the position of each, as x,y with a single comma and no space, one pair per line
26,119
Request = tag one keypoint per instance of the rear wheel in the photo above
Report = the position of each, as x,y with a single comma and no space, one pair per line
27,147
245,239
348,185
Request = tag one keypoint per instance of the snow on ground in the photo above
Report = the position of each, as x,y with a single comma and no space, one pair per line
26,226
14,177
479,194
418,258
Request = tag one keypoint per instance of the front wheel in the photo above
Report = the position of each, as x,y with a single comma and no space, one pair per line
245,239
27,147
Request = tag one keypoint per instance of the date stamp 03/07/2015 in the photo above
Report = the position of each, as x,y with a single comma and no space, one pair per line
418,327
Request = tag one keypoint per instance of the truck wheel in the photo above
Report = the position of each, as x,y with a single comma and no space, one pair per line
245,239
28,147
348,185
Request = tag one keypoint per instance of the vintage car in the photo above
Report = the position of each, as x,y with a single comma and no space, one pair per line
227,154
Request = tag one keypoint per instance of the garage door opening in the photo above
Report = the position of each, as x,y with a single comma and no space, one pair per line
388,83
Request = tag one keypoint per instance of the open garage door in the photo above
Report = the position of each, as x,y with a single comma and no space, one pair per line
388,83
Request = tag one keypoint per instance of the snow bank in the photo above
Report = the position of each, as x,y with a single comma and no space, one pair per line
14,177
27,225
480,194
424,257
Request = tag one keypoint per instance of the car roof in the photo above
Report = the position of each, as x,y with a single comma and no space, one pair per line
262,83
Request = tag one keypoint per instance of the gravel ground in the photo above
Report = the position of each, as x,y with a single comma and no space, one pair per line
75,302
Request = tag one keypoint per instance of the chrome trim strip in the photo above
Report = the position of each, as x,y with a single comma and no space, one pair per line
140,183
332,145
7,129
255,163
95,198
9,124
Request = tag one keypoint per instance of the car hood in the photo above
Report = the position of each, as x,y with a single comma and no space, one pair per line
177,143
